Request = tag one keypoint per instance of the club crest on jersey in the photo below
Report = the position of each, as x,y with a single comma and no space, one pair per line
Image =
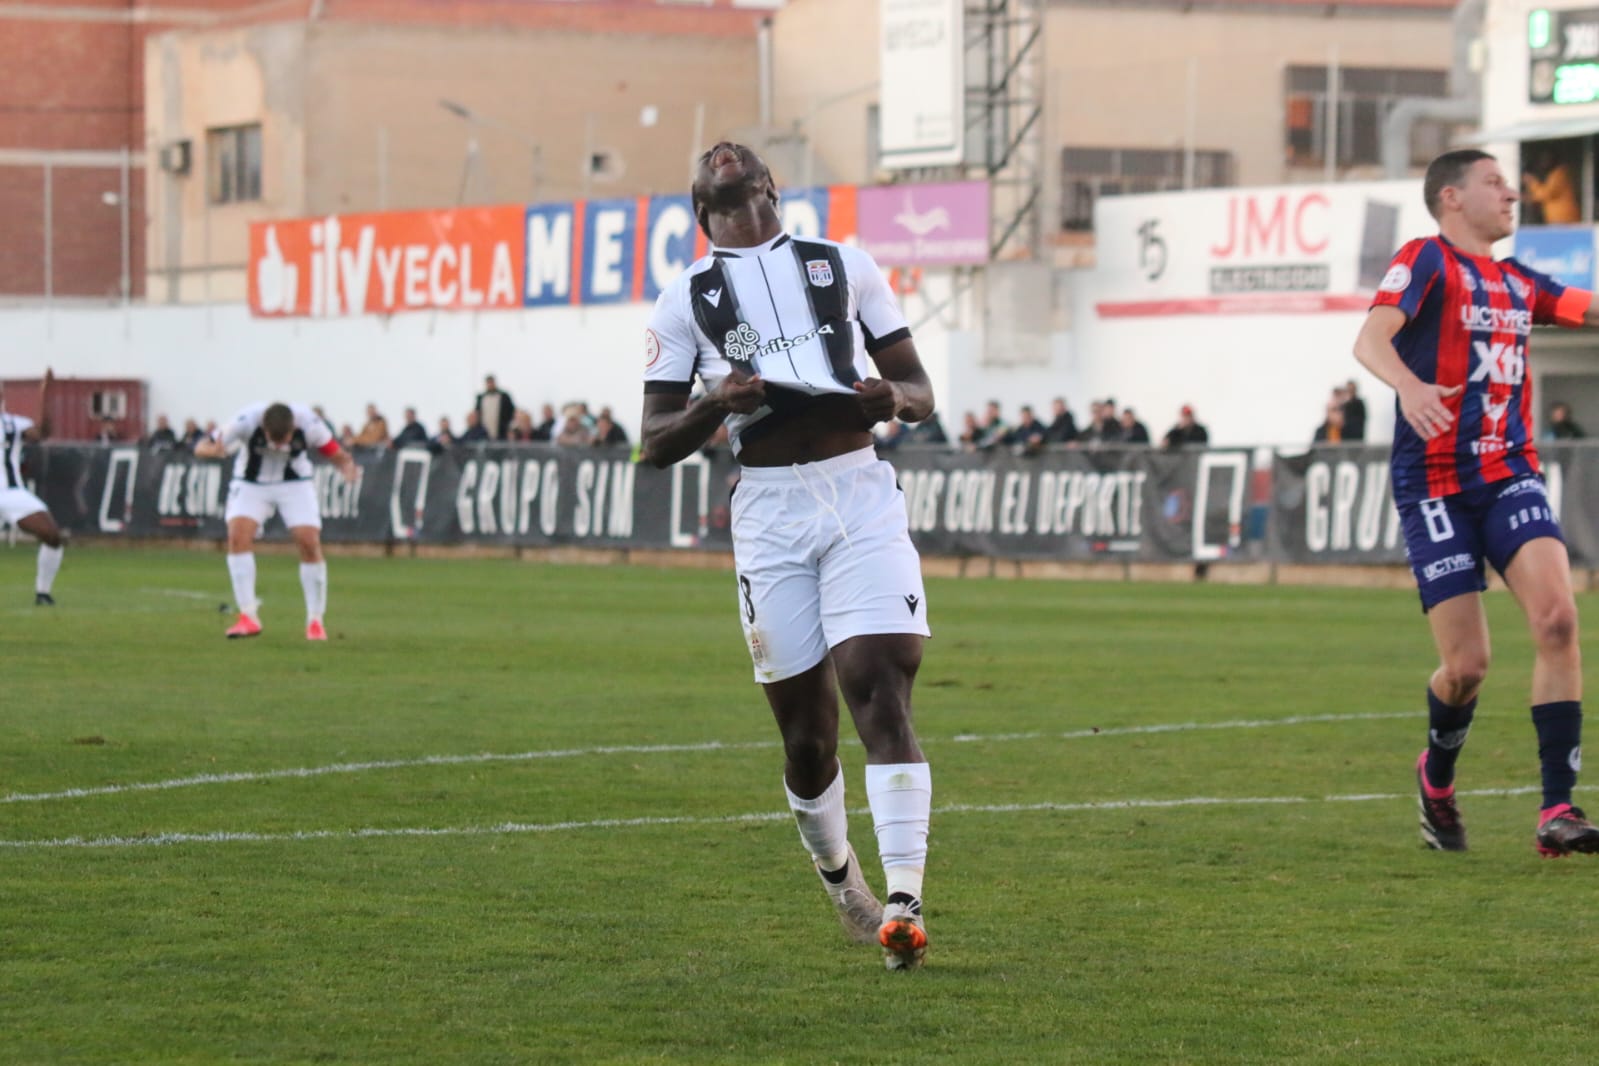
1396,280
820,271
1467,282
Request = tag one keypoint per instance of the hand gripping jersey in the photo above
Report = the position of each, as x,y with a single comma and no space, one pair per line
803,314
11,429
1469,321
259,461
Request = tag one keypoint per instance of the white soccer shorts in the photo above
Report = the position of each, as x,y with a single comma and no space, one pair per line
17,504
294,500
823,552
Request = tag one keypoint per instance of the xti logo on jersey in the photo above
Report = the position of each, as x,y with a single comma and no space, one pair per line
1468,320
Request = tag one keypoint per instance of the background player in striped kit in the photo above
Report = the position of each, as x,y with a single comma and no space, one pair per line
19,506
1448,330
272,474
778,331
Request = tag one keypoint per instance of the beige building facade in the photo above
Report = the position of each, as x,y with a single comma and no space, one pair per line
309,117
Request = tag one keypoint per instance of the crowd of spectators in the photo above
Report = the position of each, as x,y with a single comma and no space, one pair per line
493,416
1105,425
1344,419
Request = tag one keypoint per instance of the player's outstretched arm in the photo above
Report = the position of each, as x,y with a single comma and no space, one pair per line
210,449
1421,402
673,428
903,391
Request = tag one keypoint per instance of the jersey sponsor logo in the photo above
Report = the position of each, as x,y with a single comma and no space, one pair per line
652,348
1396,280
1449,564
1517,320
742,344
820,272
1524,485
1499,363
1523,290
713,297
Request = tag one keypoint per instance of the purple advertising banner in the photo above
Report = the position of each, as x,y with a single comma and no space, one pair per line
925,225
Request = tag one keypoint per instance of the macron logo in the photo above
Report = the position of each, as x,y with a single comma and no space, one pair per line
713,297
911,602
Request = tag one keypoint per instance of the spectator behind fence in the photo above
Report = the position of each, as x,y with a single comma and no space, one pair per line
192,434
445,437
106,432
521,427
1133,431
574,434
412,433
970,432
547,427
494,410
1102,426
1027,436
375,432
1062,426
606,431
993,428
1331,430
928,431
1187,431
1561,427
347,437
474,433
1354,412
162,439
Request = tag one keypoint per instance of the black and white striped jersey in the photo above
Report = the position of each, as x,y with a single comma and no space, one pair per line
258,460
802,313
11,429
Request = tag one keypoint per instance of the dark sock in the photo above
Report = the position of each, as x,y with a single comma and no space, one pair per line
1446,734
1559,728
836,877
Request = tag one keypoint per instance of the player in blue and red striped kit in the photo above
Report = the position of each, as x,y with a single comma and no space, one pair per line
1448,330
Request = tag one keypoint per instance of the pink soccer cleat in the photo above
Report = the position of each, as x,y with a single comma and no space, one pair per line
314,630
244,627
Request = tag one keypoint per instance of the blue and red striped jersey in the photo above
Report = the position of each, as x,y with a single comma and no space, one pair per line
1469,318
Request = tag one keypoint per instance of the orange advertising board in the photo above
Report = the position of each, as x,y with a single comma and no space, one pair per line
462,259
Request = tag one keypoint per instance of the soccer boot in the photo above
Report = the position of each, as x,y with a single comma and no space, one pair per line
314,630
1441,827
244,627
858,910
1564,829
43,599
902,934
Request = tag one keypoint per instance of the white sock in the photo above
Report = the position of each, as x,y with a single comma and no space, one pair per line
49,563
314,581
242,569
823,825
901,798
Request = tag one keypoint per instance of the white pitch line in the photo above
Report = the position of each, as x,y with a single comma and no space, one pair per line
244,776
506,828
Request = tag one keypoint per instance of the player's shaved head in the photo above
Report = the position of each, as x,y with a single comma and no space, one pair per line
1448,171
278,423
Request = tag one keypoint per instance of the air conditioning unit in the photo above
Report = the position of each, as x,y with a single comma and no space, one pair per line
175,157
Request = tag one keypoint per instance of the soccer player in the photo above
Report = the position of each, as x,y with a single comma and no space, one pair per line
829,588
1448,331
19,506
272,473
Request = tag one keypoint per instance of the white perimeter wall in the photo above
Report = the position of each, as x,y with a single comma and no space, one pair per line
1253,378
206,362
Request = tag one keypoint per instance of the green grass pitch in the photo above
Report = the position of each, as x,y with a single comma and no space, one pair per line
515,812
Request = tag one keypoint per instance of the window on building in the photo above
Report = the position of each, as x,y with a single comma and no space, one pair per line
1365,97
233,156
1089,173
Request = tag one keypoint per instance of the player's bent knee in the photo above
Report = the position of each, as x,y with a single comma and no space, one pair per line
811,753
1462,676
1556,628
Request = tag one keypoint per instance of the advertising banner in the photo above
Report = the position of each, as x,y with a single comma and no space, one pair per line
1565,253
464,259
926,225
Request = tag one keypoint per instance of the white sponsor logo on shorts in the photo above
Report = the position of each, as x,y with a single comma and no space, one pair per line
1450,564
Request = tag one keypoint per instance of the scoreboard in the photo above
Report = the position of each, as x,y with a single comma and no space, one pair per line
1563,56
